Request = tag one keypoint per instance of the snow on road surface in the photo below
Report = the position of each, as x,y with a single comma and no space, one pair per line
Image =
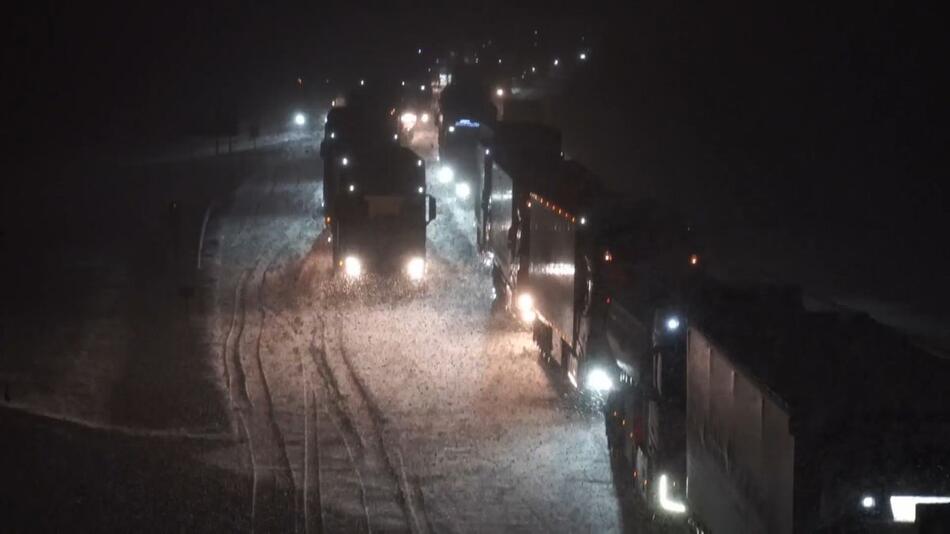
366,407
416,410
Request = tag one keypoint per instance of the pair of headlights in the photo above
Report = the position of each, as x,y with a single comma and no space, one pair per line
415,268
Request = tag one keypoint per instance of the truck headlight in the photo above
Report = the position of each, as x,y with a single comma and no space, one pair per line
599,380
408,120
525,305
462,190
352,267
673,324
416,269
665,495
446,174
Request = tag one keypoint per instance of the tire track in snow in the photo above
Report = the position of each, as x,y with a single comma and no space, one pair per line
342,421
407,494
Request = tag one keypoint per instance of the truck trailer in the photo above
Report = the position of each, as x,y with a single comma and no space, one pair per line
801,421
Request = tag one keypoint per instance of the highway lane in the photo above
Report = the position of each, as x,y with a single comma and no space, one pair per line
327,408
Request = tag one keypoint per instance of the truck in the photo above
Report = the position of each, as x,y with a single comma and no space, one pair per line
366,119
381,212
811,421
566,256
467,115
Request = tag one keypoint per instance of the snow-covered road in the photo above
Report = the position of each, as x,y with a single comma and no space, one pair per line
350,408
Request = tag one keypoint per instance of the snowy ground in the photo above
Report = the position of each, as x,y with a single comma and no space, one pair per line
274,398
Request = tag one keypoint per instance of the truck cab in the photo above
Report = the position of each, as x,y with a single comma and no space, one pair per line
382,210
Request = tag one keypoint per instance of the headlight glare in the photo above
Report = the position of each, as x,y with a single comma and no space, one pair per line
667,502
352,267
416,269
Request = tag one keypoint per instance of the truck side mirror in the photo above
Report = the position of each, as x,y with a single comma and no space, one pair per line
430,215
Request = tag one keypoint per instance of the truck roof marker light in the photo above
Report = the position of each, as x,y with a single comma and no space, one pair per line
694,259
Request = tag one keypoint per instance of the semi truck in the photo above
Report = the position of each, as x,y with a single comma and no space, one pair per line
381,213
804,421
597,278
467,117
367,119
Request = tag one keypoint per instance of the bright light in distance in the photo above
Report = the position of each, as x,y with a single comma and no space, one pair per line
672,324
583,220
362,82
422,87
416,269
694,259
418,163
326,119
666,502
408,120
425,118
556,62
533,69
451,129
499,92
345,161
446,174
904,508
395,137
421,189
300,119
352,188
598,380
352,267
488,152
582,56
403,83
868,502
462,190
332,135
419,51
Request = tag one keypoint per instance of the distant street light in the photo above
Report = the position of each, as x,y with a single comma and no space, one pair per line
499,92
300,119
